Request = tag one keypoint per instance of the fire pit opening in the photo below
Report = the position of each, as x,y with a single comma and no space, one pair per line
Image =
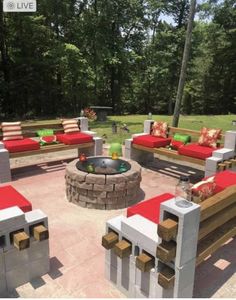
103,165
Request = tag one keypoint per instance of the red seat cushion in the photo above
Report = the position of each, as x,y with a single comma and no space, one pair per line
10,197
196,151
149,209
21,145
151,141
74,138
224,179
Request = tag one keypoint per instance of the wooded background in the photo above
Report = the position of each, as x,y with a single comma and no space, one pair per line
121,53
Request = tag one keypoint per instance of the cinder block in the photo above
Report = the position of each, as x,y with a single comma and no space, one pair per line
142,231
209,173
147,126
111,258
38,250
211,163
128,143
14,258
98,147
230,140
9,245
89,132
17,276
127,153
184,279
188,224
83,123
38,268
36,216
223,153
5,173
11,217
115,224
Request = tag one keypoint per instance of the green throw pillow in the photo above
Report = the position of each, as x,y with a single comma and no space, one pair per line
182,138
44,132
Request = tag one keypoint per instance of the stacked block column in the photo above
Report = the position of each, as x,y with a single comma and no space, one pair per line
24,247
5,172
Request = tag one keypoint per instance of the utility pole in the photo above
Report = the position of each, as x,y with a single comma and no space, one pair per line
182,77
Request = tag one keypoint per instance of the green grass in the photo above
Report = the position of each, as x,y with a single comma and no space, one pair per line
135,124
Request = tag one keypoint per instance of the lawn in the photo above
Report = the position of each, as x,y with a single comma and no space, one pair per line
135,124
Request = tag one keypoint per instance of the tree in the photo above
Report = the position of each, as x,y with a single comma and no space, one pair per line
184,64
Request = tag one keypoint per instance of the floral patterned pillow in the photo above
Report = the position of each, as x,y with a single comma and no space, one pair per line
160,129
209,137
204,189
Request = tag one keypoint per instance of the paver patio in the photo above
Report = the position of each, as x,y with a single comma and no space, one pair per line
77,257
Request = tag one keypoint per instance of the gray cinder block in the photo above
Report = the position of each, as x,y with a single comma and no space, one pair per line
11,217
38,250
209,173
14,258
17,276
36,216
83,123
38,268
128,143
3,286
230,140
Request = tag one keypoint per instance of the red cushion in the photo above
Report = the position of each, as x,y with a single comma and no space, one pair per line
224,179
151,141
176,144
10,197
21,145
196,151
149,209
75,138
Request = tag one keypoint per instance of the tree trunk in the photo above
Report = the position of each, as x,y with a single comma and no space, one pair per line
184,65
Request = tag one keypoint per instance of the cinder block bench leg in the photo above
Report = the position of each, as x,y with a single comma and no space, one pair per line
5,171
135,154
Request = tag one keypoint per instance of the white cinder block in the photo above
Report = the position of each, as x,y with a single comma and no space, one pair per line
83,123
184,277
128,143
14,258
211,163
12,216
36,216
147,126
209,173
111,258
38,268
127,153
115,224
143,280
142,231
111,273
223,153
17,276
38,250
5,172
98,147
188,226
2,265
230,140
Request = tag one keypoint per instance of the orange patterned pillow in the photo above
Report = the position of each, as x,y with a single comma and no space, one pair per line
209,137
204,189
160,129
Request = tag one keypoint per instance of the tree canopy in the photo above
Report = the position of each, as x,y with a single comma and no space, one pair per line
71,54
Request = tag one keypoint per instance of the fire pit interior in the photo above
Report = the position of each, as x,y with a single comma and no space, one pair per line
103,165
102,182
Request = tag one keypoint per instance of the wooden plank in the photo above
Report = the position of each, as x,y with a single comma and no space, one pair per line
109,240
145,262
123,248
167,229
51,148
216,220
166,277
21,240
215,240
40,233
218,202
166,251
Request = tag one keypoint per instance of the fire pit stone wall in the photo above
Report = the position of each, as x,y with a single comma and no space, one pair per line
102,191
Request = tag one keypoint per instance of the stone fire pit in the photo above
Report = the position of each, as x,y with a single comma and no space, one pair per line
103,191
